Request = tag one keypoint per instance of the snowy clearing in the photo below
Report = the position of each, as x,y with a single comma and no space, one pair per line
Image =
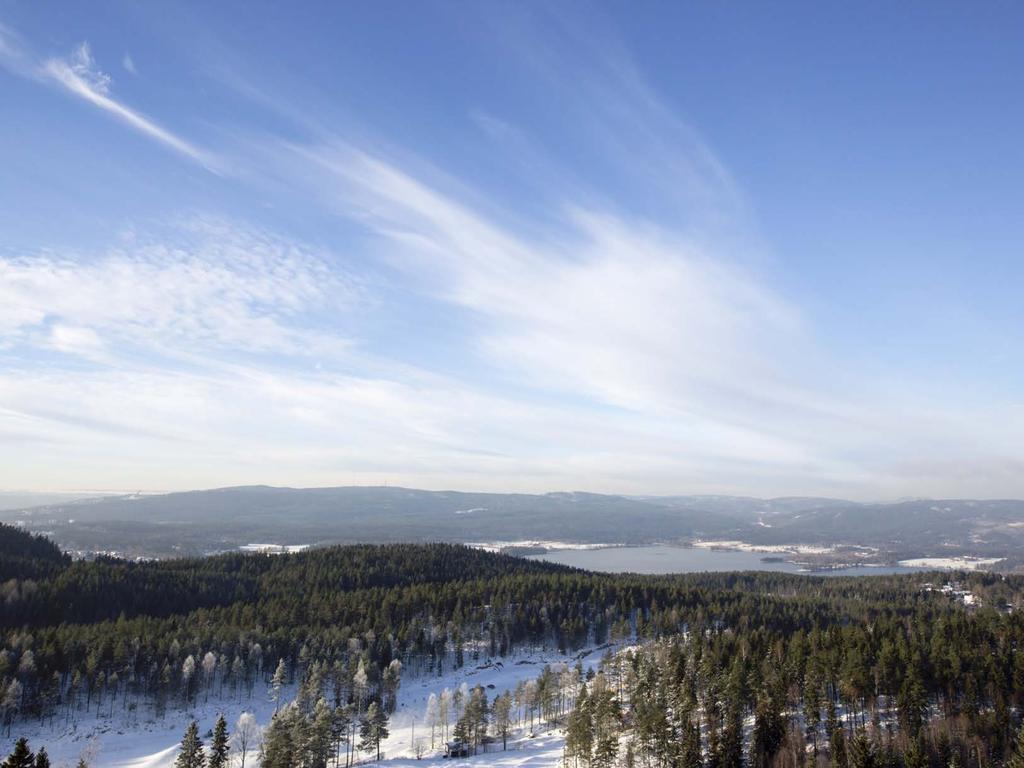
965,563
497,546
273,549
137,740
779,549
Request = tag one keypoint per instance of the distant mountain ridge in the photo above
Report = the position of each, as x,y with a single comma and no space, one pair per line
378,514
226,518
746,507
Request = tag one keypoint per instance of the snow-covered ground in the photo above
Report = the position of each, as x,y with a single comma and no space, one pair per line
140,741
497,546
780,549
952,563
273,549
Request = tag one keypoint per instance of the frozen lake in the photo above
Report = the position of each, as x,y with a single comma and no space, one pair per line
667,559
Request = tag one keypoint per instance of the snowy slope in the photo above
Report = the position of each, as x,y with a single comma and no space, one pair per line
139,741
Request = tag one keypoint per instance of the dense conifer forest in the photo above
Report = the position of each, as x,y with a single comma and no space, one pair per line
719,670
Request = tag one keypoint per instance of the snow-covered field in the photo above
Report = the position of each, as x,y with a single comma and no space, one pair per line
779,549
952,563
497,546
273,549
140,741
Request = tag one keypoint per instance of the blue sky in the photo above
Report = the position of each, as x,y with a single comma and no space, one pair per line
623,247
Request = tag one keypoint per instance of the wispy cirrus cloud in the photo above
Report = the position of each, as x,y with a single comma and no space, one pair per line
79,75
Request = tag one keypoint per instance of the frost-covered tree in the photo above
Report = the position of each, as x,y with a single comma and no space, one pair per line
188,672
392,678
246,735
444,708
277,683
431,717
11,702
209,670
360,685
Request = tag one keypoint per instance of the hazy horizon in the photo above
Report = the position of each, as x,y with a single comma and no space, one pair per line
497,246
497,491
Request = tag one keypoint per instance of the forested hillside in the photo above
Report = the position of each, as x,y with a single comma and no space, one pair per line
27,556
895,661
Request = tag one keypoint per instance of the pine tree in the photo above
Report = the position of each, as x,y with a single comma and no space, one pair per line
42,759
837,747
862,753
502,711
373,729
579,730
912,702
191,754
769,732
320,736
1017,759
690,753
219,746
21,757
279,747
607,718
476,714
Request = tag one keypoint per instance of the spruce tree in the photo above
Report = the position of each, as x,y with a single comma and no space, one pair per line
690,754
373,729
769,732
837,747
42,759
21,757
607,717
191,754
280,749
912,702
219,746
862,753
319,736
1017,759
579,730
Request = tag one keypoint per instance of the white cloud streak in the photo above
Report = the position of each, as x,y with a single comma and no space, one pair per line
81,77
79,74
